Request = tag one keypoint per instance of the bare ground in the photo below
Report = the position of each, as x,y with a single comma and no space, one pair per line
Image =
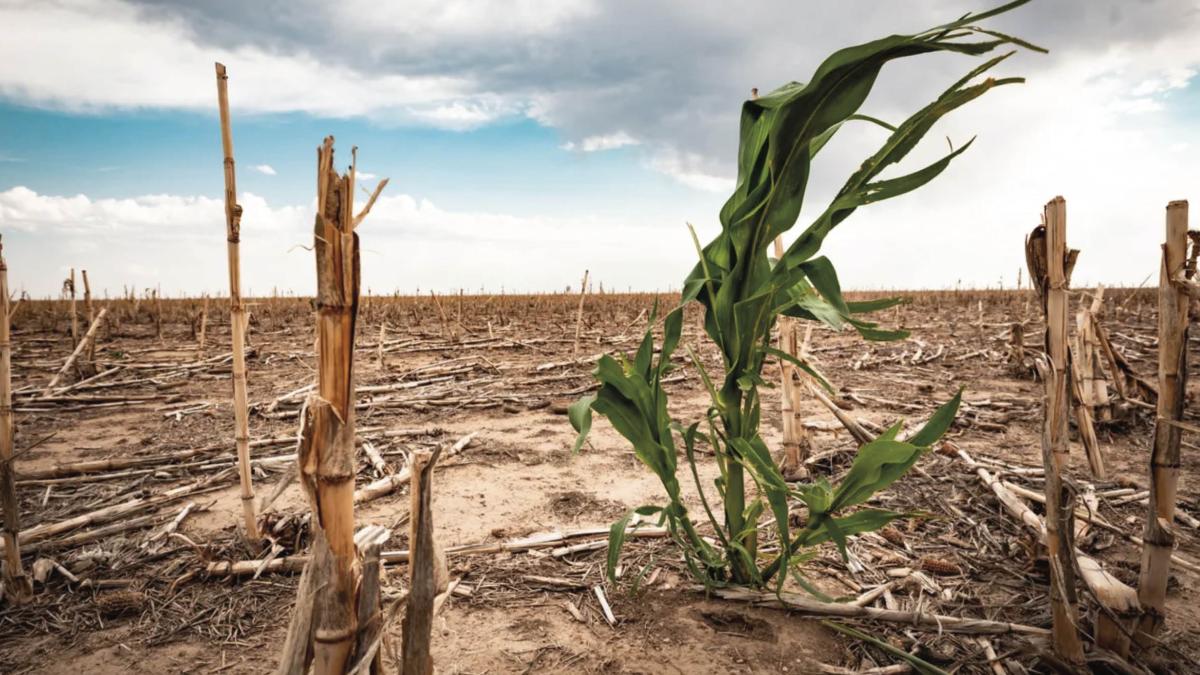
146,605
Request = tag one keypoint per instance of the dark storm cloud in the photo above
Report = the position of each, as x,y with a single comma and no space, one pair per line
668,74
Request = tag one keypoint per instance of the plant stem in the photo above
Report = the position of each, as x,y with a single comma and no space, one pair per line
237,312
17,586
1165,457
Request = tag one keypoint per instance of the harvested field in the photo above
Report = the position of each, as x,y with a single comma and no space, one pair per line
137,464
768,470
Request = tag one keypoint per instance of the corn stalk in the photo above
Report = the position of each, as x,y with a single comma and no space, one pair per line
70,286
237,312
744,292
1050,265
1165,457
17,586
324,625
91,310
796,442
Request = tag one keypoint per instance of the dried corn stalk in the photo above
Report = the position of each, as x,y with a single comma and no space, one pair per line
69,287
237,311
1050,265
17,587
91,310
797,444
426,570
1088,356
327,606
1165,457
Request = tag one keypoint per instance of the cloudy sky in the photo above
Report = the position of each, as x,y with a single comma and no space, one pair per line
527,140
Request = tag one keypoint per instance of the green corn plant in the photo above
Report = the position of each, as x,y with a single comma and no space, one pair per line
743,292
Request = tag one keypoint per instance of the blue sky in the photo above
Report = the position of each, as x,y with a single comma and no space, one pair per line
526,141
511,166
504,166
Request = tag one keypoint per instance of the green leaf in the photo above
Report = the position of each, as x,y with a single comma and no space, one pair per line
802,365
672,329
616,540
863,520
873,120
580,414
894,187
1014,40
818,497
645,352
877,465
891,432
921,666
815,308
689,442
641,575
616,537
771,483
812,590
870,332
858,189
832,531
938,424
867,306
824,278
708,383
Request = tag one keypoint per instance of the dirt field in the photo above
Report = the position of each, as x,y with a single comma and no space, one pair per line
503,369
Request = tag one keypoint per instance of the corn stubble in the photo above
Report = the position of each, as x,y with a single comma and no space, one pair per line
17,586
324,626
1050,265
1175,277
744,292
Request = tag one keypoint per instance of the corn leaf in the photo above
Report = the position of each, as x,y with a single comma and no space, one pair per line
938,424
863,520
580,415
920,665
877,465
867,306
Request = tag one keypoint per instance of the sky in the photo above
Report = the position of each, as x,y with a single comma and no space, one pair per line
528,140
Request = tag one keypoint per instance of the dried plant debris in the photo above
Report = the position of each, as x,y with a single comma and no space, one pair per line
128,488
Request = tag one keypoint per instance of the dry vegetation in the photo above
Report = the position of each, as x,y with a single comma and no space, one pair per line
368,484
134,456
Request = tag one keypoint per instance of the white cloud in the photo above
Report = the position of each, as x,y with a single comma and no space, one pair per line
602,142
265,169
687,169
406,242
1169,78
26,210
426,20
464,114
97,54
